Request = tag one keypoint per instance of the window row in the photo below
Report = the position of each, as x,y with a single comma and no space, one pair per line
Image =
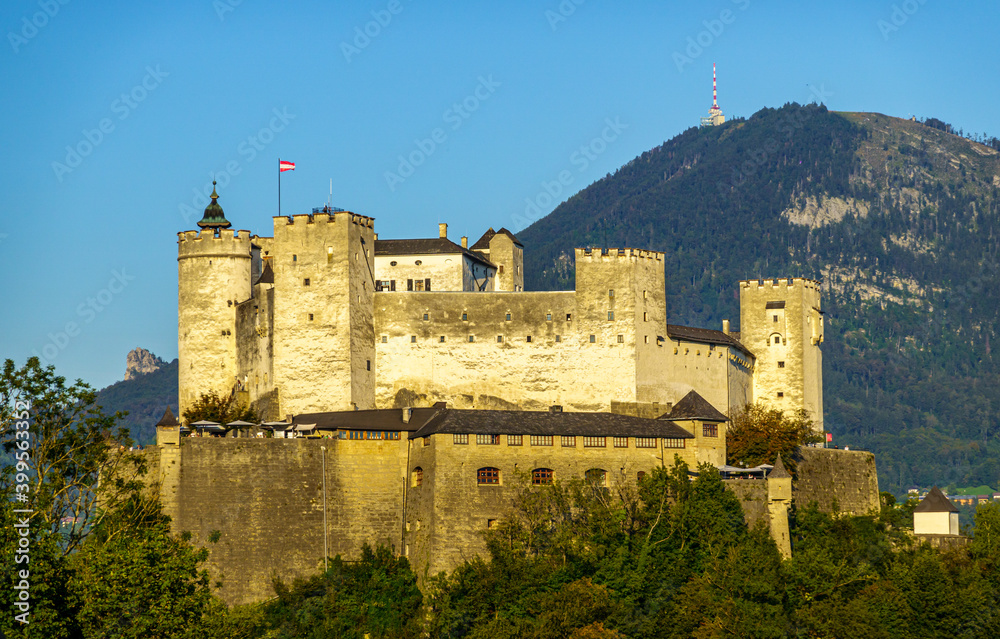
411,285
569,441
490,476
620,339
369,434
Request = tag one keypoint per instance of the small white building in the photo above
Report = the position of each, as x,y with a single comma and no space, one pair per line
935,515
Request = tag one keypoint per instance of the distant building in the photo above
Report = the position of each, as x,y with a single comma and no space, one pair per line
715,117
935,515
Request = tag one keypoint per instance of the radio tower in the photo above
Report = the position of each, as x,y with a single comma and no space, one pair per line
715,117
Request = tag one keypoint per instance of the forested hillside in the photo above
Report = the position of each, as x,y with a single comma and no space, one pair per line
898,218
144,398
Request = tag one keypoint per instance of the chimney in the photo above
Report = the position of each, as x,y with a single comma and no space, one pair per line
407,412
443,230
725,326
465,242
555,408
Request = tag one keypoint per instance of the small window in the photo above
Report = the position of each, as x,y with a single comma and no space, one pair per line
310,317
645,317
639,476
780,394
611,293
465,317
673,443
385,339
460,439
368,362
645,442
392,263
528,339
593,339
781,364
597,476
569,317
777,339
499,339
611,316
487,440
709,430
568,441
472,338
594,442
541,477
515,440
418,262
441,339
558,338
427,316
295,258
417,477
644,295
548,317
305,282
645,339
621,339
541,440
413,339
488,476
492,523
508,317
621,442
775,318
500,269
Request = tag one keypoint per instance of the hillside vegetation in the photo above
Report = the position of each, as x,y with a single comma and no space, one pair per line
900,221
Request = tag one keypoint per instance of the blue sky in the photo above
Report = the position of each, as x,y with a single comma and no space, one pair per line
117,115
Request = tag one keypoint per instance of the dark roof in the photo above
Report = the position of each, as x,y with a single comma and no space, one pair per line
483,243
935,502
428,246
694,406
780,304
705,336
383,419
168,419
779,472
214,218
267,275
502,422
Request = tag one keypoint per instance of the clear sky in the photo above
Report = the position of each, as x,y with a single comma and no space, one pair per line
118,114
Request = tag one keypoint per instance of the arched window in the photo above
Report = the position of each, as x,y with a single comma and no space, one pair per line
541,477
417,477
597,476
488,476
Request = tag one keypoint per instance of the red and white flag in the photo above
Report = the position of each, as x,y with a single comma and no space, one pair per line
285,166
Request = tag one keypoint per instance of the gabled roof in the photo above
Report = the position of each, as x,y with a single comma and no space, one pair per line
694,407
168,419
267,275
379,419
428,246
704,336
935,502
501,422
483,243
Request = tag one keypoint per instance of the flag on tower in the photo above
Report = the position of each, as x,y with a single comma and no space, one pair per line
285,166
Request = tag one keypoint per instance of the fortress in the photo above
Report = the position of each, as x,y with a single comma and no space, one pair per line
437,385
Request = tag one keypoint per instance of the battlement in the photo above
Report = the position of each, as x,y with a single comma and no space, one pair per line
325,218
614,253
784,282
205,243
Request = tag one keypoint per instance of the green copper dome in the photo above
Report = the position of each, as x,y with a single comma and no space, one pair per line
214,217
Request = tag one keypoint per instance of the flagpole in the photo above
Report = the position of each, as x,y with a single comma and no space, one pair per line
279,187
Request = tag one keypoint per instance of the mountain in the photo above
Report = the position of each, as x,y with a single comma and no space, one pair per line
139,361
899,219
144,397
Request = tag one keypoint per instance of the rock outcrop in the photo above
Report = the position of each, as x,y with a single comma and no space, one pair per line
140,361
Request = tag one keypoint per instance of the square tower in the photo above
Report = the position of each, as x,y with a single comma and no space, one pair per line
781,322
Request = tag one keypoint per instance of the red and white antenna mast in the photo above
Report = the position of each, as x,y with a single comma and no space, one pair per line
715,94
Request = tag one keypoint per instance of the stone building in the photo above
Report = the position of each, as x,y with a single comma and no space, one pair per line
324,316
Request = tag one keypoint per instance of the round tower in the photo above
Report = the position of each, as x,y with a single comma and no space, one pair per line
213,276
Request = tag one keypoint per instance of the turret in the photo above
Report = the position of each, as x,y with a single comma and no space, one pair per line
779,498
213,276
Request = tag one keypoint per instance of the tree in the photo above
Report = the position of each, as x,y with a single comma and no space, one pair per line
213,407
758,434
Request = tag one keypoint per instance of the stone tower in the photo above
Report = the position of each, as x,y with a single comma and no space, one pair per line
324,335
781,322
506,251
213,276
779,498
